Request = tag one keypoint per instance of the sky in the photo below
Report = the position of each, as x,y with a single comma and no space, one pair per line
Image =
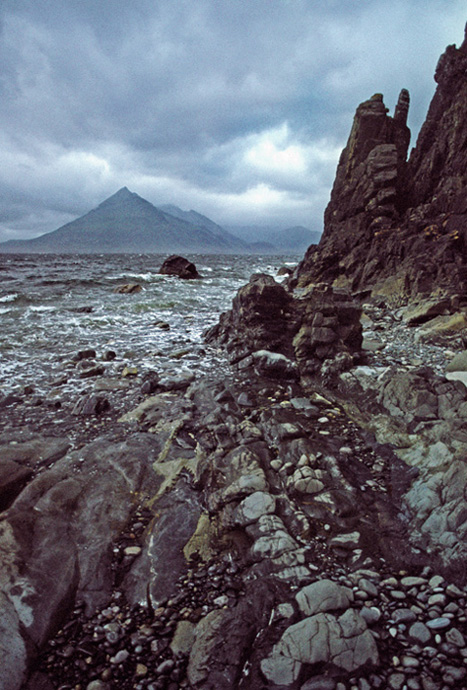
235,108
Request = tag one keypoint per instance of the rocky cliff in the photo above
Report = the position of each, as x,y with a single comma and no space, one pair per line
394,227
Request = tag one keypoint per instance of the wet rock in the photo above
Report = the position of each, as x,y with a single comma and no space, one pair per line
128,289
74,516
13,478
206,638
87,369
178,266
262,318
92,405
274,365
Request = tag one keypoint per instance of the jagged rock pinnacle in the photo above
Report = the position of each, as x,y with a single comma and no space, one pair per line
402,107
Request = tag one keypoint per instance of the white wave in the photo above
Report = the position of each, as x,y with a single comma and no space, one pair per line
41,308
9,298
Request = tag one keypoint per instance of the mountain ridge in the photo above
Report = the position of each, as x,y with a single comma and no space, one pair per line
127,223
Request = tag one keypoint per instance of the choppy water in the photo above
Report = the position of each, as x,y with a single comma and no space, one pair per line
51,306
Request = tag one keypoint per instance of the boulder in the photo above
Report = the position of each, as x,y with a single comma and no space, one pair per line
343,642
178,266
262,318
458,363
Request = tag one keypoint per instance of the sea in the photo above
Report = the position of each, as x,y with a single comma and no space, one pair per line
54,306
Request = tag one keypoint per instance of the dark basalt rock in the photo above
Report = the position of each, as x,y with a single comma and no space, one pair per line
262,318
394,227
265,319
178,266
128,289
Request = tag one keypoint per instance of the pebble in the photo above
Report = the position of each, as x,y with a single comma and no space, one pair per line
439,623
120,657
419,632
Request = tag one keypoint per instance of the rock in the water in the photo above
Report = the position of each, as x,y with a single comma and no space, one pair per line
128,289
178,266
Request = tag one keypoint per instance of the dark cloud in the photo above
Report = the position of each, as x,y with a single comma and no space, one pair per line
237,109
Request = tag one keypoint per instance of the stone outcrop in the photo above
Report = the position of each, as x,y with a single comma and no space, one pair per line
300,333
179,266
407,218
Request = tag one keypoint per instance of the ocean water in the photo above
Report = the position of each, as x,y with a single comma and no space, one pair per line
52,306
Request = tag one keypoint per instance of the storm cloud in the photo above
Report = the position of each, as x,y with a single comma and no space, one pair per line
236,108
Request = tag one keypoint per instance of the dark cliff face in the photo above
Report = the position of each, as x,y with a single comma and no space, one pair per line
398,227
437,167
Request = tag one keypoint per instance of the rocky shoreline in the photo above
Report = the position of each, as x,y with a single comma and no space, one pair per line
199,535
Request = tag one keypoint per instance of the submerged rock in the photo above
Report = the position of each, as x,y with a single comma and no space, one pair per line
128,289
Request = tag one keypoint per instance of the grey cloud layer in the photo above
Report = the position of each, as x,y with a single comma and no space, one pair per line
238,109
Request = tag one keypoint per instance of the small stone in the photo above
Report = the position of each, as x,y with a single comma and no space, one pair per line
454,591
141,670
129,371
437,600
120,657
96,685
453,676
411,581
368,587
132,550
455,637
419,633
410,662
165,667
396,681
284,611
403,616
439,623
370,614
398,595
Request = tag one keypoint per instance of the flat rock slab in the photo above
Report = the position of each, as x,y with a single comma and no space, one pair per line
343,642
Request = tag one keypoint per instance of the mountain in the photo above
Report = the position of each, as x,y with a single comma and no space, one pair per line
195,218
270,240
127,223
395,227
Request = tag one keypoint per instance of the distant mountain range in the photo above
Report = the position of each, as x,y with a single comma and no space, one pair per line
127,223
269,239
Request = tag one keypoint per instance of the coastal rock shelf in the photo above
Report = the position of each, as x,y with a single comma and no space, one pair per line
255,512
